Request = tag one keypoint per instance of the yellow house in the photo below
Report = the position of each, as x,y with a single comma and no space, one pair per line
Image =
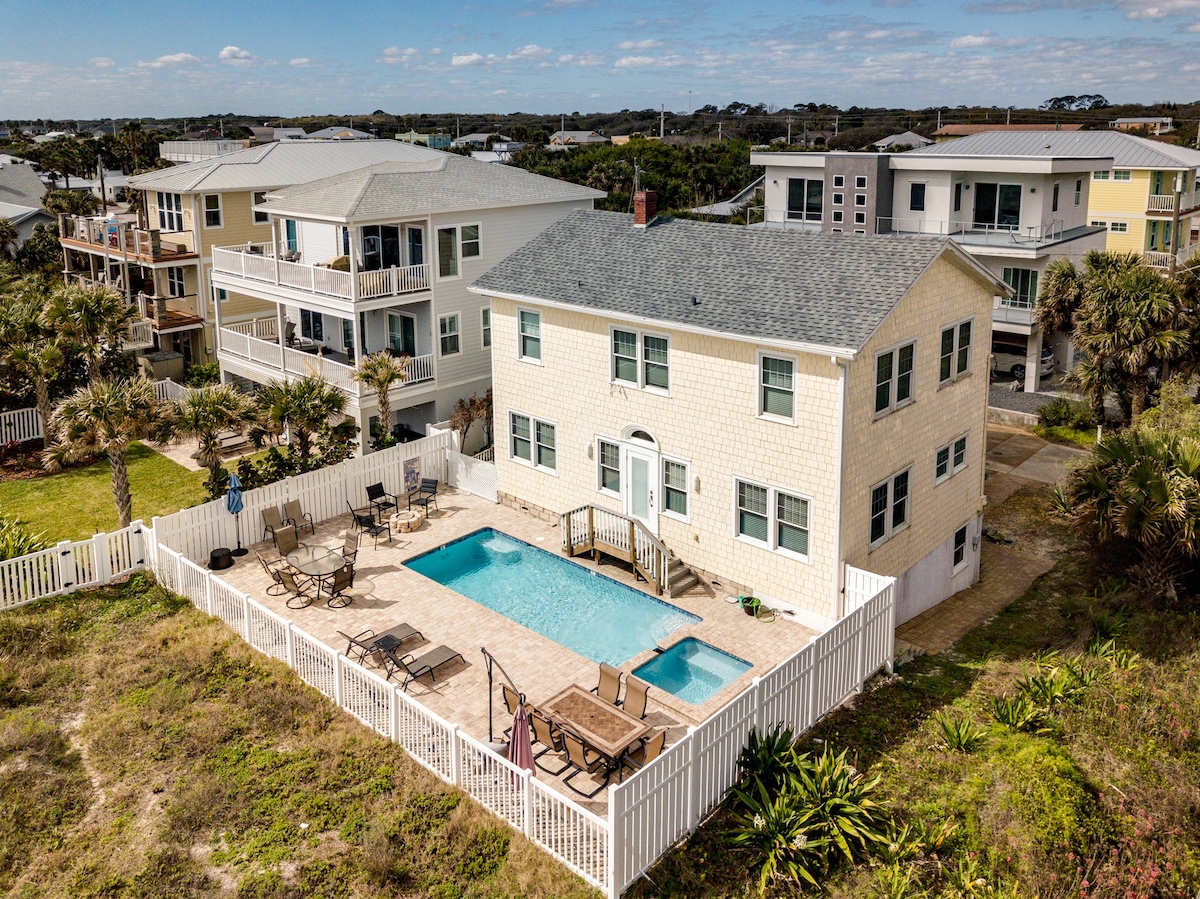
769,406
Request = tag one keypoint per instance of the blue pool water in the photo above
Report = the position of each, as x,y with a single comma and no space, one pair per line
692,670
593,615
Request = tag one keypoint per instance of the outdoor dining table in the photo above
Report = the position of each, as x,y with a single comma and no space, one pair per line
317,561
603,726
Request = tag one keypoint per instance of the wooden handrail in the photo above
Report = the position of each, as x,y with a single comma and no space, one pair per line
625,546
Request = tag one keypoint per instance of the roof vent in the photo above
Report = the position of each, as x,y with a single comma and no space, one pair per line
695,302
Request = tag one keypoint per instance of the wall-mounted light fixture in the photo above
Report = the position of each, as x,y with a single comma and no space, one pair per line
589,451
697,484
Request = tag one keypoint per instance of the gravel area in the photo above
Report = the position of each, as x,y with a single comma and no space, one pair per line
1017,401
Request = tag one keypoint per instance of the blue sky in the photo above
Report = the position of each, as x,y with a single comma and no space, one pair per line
550,56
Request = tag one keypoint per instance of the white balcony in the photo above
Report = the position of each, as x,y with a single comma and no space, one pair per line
1164,204
972,233
1012,310
255,262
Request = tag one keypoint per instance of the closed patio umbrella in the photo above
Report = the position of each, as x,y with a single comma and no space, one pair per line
234,504
520,750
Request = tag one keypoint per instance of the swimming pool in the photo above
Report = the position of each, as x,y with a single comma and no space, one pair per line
597,617
692,670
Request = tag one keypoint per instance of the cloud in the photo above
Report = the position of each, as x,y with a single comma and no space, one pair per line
301,62
985,39
583,60
435,51
101,62
168,61
398,56
500,93
637,45
634,62
466,59
529,51
236,56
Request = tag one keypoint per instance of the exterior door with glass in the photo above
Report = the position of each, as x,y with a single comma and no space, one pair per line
639,476
402,333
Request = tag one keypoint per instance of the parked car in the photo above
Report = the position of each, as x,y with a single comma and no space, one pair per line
1009,357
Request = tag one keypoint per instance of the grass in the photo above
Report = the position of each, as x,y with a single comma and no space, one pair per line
1097,799
146,751
1084,437
74,504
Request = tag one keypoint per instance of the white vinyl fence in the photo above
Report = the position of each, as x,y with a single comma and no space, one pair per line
70,566
472,475
20,425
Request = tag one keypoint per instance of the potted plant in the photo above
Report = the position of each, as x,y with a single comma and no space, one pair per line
750,605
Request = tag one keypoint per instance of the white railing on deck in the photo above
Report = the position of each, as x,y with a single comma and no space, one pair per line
621,535
71,565
256,262
20,425
1166,202
262,328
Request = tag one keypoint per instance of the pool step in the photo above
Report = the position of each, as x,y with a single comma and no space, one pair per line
680,578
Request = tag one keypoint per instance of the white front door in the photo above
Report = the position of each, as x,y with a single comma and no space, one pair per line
639,472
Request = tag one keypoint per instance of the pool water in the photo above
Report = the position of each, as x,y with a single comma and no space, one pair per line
595,616
692,670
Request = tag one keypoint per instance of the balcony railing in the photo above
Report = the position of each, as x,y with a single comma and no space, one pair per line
1013,310
118,237
1164,204
966,231
140,336
285,360
256,263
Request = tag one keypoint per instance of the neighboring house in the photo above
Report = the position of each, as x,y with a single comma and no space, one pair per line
165,268
1148,124
433,141
947,132
198,150
501,151
265,134
770,405
379,259
26,218
478,140
576,138
1014,213
338,132
1134,198
114,183
20,184
907,139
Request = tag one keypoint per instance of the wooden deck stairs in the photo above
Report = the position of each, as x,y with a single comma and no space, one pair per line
590,529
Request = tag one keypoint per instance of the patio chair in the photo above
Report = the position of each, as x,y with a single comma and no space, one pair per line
577,757
272,570
426,664
294,513
272,521
366,524
298,586
610,683
285,540
512,699
335,587
289,332
424,495
545,733
358,646
350,547
642,753
635,696
380,499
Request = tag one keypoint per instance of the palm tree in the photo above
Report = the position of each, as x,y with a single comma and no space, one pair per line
105,417
380,372
97,317
27,345
204,414
8,238
303,406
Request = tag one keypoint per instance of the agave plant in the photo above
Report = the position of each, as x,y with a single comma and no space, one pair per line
1017,713
766,759
782,836
959,734
840,798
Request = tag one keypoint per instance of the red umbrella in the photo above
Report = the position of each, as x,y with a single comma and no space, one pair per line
520,749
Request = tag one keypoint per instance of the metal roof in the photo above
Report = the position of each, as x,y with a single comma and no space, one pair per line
1125,150
820,290
445,182
279,164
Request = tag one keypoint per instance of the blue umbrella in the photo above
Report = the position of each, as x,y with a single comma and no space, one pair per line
234,503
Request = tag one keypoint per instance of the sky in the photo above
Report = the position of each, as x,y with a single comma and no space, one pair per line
343,57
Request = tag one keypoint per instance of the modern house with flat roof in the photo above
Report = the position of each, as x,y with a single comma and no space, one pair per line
379,260
762,407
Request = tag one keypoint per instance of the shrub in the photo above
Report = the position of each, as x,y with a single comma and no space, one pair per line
959,734
1017,713
1061,412
16,541
766,759
202,374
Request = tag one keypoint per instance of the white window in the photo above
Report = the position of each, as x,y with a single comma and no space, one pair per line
916,196
775,519
470,241
1098,224
950,459
1078,191
448,334
675,488
175,286
170,212
1119,227
860,199
1100,176
960,548
838,199
860,218
529,335
608,463
1122,175
485,321
860,181
955,359
777,388
889,508
641,360
839,180
893,378
837,215
804,199
212,210
532,441
259,197
447,244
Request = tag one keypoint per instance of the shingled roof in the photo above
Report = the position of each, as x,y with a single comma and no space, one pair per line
820,290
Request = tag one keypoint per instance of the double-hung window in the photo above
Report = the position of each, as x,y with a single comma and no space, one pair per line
777,519
641,360
674,487
470,241
532,442
889,508
950,459
259,197
1078,191
212,210
777,387
485,322
960,547
170,212
448,334
893,378
1100,176
608,459
955,359
455,243
175,283
529,334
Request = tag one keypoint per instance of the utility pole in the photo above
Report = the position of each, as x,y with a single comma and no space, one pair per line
719,124
104,196
939,127
789,139
806,134
835,125
637,175
1008,118
662,121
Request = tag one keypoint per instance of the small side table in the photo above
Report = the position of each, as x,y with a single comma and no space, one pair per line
220,559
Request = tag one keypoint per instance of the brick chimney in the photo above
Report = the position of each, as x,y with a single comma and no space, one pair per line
645,208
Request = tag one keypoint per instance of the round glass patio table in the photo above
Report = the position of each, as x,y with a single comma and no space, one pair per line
317,561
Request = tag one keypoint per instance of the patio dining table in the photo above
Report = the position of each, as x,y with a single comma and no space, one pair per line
316,561
603,726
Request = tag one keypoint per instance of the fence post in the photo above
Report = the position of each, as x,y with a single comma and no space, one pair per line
760,714
616,828
396,715
337,680
137,544
102,562
208,592
291,646
693,809
66,565
890,640
456,776
246,619
527,784
861,640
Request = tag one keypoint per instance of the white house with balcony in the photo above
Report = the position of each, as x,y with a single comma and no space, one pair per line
378,260
1012,213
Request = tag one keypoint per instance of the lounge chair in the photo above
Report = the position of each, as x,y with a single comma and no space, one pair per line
298,587
358,646
642,753
294,513
426,664
577,757
545,733
380,499
335,587
610,683
289,332
424,495
635,697
285,540
272,570
272,521
366,524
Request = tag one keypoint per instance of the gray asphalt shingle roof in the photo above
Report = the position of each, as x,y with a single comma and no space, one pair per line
1126,150
822,289
444,183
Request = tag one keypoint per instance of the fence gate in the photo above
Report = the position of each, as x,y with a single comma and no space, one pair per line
472,475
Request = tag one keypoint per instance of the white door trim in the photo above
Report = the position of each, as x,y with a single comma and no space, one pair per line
635,455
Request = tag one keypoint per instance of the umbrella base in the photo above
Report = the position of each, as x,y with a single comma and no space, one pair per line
240,551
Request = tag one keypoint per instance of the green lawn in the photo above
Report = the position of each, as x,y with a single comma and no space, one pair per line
75,504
